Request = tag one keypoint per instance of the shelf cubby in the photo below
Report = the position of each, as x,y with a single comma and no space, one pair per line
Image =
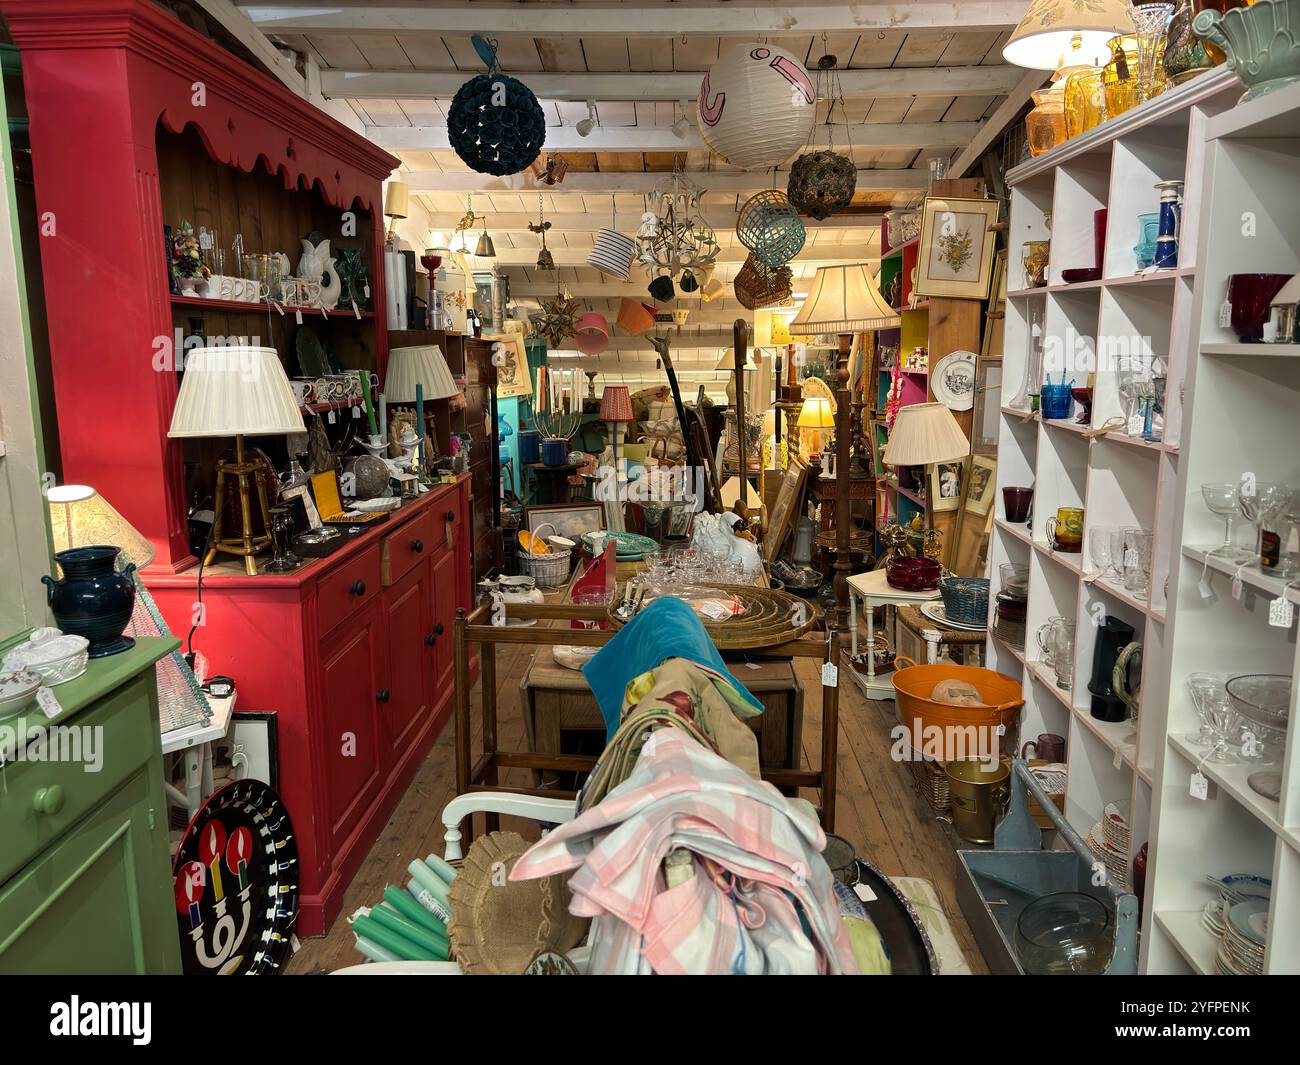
1081,190
1138,162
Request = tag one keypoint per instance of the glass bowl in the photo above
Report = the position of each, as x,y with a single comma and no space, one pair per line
913,574
1065,932
1263,698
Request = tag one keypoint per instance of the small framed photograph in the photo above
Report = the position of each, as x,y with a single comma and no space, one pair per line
512,367
944,484
955,258
980,485
305,514
571,520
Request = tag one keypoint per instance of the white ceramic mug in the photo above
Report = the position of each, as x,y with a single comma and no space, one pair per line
304,389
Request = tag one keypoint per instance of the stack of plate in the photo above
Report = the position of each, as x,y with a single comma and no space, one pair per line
1241,951
628,546
1114,825
1115,860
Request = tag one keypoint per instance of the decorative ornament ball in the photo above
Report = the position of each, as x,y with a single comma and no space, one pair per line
822,183
757,106
496,125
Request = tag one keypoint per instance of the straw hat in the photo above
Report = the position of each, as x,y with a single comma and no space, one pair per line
498,925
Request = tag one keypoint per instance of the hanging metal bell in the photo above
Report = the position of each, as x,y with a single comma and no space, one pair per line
485,249
545,260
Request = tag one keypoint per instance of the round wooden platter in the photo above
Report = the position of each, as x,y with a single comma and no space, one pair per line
771,617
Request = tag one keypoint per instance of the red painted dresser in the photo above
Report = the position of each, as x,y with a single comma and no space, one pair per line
137,121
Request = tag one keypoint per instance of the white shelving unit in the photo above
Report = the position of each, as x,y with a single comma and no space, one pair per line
1118,480
1242,402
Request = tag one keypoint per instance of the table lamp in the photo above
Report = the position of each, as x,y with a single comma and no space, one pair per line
1052,29
81,517
616,411
416,374
816,414
238,391
843,300
397,198
923,434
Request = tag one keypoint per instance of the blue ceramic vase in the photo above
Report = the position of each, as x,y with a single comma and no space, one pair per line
93,599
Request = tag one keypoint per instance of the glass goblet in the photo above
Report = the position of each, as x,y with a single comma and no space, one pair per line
1224,499
1264,505
1201,686
1099,537
1226,723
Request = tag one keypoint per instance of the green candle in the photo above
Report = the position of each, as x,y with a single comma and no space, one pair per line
370,407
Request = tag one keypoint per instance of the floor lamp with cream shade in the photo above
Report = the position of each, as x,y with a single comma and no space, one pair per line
238,391
844,300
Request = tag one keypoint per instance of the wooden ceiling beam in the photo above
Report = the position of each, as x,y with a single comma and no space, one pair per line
589,184
692,18
994,80
835,253
628,222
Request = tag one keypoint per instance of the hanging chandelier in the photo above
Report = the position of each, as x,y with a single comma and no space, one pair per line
674,238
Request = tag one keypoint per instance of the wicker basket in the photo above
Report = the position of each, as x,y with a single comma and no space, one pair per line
549,570
966,599
758,286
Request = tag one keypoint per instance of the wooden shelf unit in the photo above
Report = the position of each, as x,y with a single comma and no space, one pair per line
1119,480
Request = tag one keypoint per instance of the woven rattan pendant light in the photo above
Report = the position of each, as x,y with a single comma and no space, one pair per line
823,182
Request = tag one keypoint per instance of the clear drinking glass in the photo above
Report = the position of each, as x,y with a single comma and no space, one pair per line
1226,724
1063,653
1224,499
1137,561
1263,507
1201,686
1099,550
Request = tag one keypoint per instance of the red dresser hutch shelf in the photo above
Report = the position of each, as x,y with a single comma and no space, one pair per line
352,652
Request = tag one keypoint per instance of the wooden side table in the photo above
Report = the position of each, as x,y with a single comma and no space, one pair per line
556,699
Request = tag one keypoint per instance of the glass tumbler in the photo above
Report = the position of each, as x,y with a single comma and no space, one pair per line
1137,561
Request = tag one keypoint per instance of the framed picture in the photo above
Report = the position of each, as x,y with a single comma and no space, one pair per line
254,747
305,514
512,366
786,507
955,257
877,438
988,398
980,485
944,484
570,519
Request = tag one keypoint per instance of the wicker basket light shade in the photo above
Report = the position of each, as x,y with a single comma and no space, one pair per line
770,227
822,183
758,285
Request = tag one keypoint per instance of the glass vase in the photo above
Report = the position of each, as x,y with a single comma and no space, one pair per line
1045,124
1120,75
1085,101
1186,54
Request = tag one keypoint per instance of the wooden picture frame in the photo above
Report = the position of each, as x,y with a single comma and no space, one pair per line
945,484
980,484
512,370
786,507
571,520
955,257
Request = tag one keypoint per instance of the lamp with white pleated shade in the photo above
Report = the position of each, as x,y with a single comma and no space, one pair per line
844,299
923,434
420,364
238,391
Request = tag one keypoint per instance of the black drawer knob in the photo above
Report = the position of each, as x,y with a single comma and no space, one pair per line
358,587
417,546
450,515
430,639
437,629
382,695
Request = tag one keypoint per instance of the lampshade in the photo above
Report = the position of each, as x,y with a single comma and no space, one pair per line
422,364
844,299
924,433
616,404
229,391
816,413
396,199
728,361
1049,29
756,106
591,333
81,517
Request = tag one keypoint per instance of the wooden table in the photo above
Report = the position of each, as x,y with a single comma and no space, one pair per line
556,699
873,588
938,638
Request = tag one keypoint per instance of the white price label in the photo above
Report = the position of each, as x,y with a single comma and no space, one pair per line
1001,730
1200,788
297,317
330,416
356,412
1281,613
830,675
864,892
1203,586
1225,314
49,703
1237,587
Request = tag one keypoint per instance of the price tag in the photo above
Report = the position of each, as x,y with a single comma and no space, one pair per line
297,317
1237,587
753,665
1203,586
330,416
1249,744
1200,788
1119,759
830,675
367,288
1281,612
1225,314
864,892
49,703
356,412
356,311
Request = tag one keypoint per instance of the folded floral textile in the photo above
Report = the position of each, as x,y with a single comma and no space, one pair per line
759,897
665,628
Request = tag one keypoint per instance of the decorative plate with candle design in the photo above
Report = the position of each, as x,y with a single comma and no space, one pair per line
235,877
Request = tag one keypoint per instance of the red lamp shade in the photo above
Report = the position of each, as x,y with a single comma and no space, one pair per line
591,333
616,404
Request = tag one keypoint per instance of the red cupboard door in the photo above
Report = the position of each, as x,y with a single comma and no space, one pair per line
444,615
409,614
352,675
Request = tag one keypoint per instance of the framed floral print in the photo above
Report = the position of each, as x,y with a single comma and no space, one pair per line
956,253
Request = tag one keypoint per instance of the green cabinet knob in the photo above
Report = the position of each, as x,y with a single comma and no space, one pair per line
48,800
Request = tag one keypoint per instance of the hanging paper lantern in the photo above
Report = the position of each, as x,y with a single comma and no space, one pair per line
822,183
496,124
770,228
612,254
591,334
757,106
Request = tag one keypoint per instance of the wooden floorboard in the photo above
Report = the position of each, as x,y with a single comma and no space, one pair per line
877,810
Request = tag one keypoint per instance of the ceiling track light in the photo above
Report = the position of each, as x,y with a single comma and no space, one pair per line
682,124
590,122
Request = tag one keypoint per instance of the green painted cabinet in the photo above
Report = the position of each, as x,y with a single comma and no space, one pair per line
85,876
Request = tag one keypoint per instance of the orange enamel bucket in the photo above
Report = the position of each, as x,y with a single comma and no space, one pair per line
913,684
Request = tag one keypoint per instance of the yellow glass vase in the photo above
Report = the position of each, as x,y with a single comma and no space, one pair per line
1085,101
1120,75
1045,124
